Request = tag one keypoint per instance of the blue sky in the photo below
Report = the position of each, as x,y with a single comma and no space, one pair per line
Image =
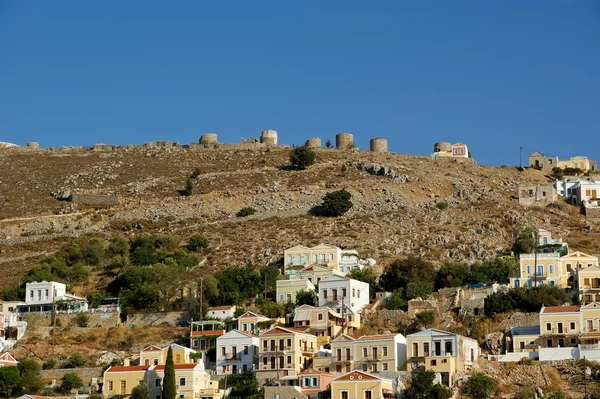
493,74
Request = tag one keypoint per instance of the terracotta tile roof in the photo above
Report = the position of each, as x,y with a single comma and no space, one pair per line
181,366
356,375
380,336
246,333
560,309
283,330
207,332
39,397
120,369
316,372
220,308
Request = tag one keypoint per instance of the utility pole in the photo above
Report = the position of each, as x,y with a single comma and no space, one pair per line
535,250
520,158
53,316
584,379
201,307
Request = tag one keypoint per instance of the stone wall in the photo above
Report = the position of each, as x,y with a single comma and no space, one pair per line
96,319
416,306
536,194
86,374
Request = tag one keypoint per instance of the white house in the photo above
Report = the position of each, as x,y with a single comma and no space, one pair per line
340,291
39,297
237,352
221,312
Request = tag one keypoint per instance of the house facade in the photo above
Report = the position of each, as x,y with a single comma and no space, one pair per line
443,352
237,352
315,273
287,289
536,194
221,312
6,360
253,322
40,297
295,259
312,382
324,323
368,353
285,351
361,385
343,294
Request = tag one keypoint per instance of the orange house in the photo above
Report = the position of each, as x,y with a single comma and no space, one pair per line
312,382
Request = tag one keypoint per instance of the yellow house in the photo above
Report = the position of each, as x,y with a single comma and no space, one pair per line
285,352
191,381
525,339
560,326
120,380
361,385
442,352
325,323
153,355
343,353
368,353
287,289
296,258
315,273
588,284
551,269
253,322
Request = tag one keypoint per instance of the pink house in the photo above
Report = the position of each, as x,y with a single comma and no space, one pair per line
314,381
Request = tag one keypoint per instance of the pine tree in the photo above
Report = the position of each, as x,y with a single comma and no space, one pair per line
169,389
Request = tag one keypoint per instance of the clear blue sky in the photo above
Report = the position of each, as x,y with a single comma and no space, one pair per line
492,74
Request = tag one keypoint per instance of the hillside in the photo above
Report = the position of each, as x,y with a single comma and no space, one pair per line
394,214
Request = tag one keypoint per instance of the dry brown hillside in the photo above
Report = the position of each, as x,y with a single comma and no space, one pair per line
393,215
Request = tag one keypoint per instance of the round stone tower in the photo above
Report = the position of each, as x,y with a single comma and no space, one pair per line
344,141
442,146
208,138
268,137
315,142
379,145
33,144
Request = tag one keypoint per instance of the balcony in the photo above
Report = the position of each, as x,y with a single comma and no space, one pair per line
342,359
592,331
233,356
308,350
372,358
276,349
560,331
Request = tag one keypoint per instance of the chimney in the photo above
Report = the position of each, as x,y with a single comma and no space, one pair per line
126,362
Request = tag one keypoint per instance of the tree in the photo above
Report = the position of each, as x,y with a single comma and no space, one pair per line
189,188
307,298
302,157
402,271
418,289
140,392
525,242
244,386
10,381
328,143
397,300
197,243
31,377
422,386
452,275
269,275
336,203
74,361
169,384
118,246
70,381
480,386
246,211
366,275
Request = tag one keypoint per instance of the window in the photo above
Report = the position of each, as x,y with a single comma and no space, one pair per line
156,361
315,382
298,260
146,362
522,345
551,269
320,316
316,258
572,325
358,293
123,387
289,259
384,366
289,360
224,369
343,292
289,297
365,352
517,283
182,382
110,385
384,350
289,342
222,351
245,349
325,294
528,269
244,326
46,293
353,292
552,283
157,382
540,270
281,297
331,256
323,258
433,362
364,367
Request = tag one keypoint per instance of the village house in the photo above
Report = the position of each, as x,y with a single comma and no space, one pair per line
284,352
458,150
204,340
588,284
361,385
295,259
6,360
538,160
443,352
237,352
369,353
221,312
343,294
551,269
315,273
324,323
313,382
40,297
286,289
253,322
536,194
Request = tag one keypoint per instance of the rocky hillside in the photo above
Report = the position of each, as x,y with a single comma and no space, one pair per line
394,213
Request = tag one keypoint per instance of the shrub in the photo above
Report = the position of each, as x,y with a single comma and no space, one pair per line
302,157
397,300
189,188
70,381
82,320
525,243
480,386
197,242
74,361
425,319
328,143
441,205
195,173
246,211
337,203
49,364
140,392
344,168
423,387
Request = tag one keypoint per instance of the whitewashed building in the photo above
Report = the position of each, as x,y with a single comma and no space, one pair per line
40,296
339,292
237,352
221,312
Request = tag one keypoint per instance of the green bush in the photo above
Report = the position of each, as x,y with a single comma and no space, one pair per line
337,203
441,205
74,361
302,157
82,320
423,387
70,381
525,299
525,243
246,211
197,243
49,364
195,173
188,188
481,386
425,319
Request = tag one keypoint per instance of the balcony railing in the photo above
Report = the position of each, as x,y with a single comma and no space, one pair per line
276,349
564,330
342,359
233,356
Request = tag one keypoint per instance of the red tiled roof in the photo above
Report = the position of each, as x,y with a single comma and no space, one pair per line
252,314
181,366
39,397
380,336
284,330
220,308
151,348
120,369
207,332
246,333
561,309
